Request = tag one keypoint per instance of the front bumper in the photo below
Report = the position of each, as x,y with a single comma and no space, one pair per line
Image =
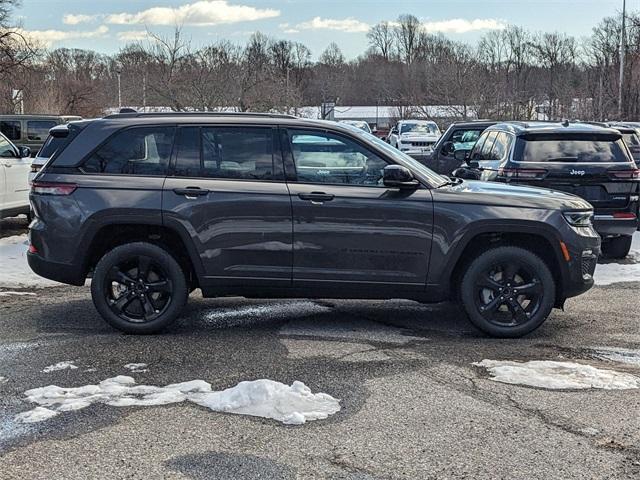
583,257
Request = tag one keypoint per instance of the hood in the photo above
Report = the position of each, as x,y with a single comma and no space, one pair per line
502,194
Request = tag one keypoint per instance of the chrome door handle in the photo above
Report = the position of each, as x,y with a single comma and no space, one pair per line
191,193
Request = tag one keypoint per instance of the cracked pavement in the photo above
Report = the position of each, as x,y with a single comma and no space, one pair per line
413,406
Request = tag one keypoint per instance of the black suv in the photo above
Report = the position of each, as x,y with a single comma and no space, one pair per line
587,160
156,205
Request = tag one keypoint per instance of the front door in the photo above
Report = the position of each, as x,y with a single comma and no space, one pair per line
347,226
16,176
228,195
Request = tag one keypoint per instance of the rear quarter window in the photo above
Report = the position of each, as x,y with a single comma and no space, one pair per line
39,129
571,149
134,151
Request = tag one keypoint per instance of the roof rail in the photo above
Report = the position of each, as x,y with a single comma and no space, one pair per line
198,114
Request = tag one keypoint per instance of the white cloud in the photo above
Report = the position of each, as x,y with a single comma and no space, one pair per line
350,25
460,25
201,13
71,19
286,28
133,35
49,37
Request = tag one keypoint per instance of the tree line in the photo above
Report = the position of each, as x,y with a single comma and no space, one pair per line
511,73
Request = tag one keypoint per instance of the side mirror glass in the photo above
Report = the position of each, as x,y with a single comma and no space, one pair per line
461,155
448,148
397,176
23,151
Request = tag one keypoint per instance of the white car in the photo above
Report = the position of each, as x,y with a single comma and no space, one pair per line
414,136
361,124
15,164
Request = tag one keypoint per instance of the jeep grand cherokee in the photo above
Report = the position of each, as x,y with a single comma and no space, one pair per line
156,205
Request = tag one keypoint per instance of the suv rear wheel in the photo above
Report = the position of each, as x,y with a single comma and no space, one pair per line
508,292
139,288
617,247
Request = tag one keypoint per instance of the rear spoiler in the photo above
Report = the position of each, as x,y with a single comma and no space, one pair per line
63,130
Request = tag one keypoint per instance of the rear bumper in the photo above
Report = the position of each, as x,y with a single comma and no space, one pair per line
60,272
608,226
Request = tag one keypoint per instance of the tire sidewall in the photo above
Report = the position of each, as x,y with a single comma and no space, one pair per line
159,255
501,254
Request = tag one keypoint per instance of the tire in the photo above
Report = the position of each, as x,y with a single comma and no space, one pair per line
500,313
617,247
139,288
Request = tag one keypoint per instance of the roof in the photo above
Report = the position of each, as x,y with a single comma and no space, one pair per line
35,116
475,123
524,128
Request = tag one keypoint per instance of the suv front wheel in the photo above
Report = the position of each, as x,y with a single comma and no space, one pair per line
139,288
508,292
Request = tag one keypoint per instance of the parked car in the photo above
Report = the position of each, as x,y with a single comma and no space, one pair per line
361,124
14,178
414,136
31,130
583,159
631,137
459,136
260,205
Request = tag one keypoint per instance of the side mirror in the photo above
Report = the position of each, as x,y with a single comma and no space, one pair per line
448,148
23,151
461,155
397,176
466,173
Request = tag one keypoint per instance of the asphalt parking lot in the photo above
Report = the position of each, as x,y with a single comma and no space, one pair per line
412,404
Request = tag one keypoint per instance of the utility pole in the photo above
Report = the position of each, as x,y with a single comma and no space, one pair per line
623,48
118,72
144,92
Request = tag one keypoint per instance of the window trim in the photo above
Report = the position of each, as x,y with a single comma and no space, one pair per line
290,161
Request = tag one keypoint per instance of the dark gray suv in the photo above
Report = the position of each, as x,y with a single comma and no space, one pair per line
154,206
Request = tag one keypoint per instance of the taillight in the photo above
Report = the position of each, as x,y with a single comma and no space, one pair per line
32,249
625,174
50,188
522,173
625,215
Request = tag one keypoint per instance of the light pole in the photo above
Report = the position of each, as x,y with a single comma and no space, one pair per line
622,58
118,72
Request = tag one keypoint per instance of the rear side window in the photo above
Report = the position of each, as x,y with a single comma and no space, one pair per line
571,149
244,153
501,146
11,129
39,129
485,153
134,151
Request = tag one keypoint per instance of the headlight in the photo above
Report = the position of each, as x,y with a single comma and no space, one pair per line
579,219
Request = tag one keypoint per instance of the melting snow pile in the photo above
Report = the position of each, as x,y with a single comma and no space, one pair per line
558,375
136,367
294,404
7,293
15,271
609,273
59,366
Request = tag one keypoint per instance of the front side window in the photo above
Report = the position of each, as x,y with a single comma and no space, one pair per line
482,149
6,149
134,151
11,129
465,139
322,157
39,129
244,153
500,146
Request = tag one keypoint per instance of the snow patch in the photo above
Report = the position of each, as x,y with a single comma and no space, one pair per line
3,380
251,314
616,354
290,404
137,367
15,272
558,375
59,366
9,293
629,271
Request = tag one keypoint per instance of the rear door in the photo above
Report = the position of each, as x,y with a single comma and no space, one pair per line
348,228
227,193
595,167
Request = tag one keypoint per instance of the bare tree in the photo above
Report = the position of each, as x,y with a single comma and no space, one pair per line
382,39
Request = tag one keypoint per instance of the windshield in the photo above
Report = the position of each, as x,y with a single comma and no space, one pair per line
425,128
578,149
403,157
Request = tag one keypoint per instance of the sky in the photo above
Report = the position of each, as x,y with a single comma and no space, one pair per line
108,25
